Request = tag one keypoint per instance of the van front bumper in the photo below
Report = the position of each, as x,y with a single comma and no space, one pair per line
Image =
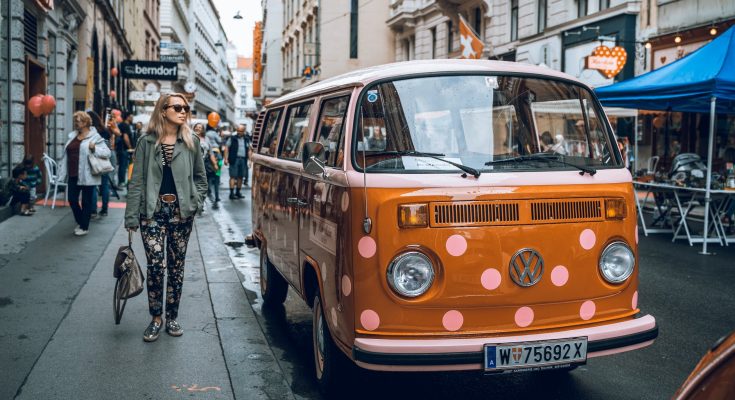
467,354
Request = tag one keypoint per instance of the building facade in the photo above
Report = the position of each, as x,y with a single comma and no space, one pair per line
244,101
66,49
322,39
176,45
271,79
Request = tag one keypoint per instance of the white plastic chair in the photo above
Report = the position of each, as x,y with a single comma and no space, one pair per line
52,178
652,164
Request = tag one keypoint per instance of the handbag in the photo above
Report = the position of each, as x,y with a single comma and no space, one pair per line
129,278
100,165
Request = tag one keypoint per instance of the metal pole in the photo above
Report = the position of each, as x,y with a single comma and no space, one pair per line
710,145
635,145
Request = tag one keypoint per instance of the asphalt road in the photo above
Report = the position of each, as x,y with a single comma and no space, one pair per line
690,295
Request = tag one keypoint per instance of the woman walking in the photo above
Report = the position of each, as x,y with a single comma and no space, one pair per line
167,188
83,143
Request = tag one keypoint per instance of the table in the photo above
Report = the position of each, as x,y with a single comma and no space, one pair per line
668,198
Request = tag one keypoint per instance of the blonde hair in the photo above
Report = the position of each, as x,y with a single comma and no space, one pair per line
82,117
158,121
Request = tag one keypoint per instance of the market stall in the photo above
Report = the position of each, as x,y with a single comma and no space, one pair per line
703,81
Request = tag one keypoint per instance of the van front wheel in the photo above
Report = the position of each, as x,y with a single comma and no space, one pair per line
273,287
330,364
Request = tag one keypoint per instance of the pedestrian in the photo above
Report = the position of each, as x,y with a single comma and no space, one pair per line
213,136
214,181
211,166
168,152
123,146
20,191
74,165
33,177
237,152
109,133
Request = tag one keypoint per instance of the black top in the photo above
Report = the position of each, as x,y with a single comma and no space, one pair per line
167,184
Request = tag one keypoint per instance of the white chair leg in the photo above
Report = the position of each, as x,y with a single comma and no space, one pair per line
53,203
45,200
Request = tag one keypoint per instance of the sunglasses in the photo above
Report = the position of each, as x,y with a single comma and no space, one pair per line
178,108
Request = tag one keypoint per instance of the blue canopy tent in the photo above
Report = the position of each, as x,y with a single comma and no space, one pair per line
703,81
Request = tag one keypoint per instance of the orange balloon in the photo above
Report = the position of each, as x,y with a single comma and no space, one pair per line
48,103
658,122
113,71
35,105
213,119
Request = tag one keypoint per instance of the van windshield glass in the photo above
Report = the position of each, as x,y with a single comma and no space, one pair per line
477,121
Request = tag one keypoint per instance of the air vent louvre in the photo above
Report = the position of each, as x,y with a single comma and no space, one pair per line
566,210
256,130
475,213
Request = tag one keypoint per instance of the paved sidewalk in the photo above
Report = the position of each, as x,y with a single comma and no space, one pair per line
60,336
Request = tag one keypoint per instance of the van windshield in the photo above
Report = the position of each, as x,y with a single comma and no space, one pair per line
478,121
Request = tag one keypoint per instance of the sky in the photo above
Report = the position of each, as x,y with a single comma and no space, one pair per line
239,31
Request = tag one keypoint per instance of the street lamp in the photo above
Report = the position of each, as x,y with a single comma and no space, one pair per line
237,16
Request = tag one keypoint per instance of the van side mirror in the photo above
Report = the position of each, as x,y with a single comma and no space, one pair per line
311,159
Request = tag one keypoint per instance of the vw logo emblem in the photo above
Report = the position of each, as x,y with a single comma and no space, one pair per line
526,267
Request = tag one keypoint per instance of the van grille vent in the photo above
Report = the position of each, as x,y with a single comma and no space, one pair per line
566,210
256,130
475,213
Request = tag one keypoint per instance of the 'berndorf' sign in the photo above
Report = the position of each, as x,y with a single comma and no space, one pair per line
154,70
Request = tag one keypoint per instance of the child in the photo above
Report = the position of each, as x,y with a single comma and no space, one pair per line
21,193
33,177
213,179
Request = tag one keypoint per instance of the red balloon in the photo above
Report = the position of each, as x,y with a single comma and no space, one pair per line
213,119
113,72
48,103
113,94
35,105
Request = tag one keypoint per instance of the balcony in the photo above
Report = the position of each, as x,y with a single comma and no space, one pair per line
402,13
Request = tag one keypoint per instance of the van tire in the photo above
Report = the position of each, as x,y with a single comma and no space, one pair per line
273,287
331,366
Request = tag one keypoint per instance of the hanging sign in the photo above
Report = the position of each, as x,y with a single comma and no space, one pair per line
608,62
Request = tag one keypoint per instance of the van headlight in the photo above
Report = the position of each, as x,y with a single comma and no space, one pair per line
410,274
617,262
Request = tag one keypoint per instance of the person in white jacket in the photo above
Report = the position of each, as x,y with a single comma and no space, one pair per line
83,142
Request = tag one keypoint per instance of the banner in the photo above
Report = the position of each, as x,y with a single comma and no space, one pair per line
153,70
257,59
89,96
469,41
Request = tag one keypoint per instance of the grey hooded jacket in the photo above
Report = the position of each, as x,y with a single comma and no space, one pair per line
190,179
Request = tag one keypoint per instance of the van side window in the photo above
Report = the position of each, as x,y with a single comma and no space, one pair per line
297,131
269,132
331,128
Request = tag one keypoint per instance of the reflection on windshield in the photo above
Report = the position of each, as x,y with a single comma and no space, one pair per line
475,119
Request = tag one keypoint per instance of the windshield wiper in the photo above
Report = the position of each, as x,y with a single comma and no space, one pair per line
436,156
544,157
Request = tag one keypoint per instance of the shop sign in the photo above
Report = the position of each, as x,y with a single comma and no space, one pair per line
173,58
608,62
137,95
155,70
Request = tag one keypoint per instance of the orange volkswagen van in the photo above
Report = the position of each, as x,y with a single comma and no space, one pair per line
449,215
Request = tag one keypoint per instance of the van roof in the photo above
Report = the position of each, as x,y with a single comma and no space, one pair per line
364,76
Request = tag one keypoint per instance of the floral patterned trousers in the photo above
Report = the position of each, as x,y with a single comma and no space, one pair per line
167,225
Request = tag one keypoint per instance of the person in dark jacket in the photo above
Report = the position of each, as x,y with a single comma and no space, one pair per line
123,147
237,154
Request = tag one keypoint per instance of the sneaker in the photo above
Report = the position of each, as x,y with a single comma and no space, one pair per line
152,331
94,216
215,206
80,232
232,196
239,195
173,328
103,213
76,229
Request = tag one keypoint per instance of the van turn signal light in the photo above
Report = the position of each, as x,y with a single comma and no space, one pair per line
413,215
615,209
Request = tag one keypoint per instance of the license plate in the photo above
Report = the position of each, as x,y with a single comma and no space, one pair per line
535,355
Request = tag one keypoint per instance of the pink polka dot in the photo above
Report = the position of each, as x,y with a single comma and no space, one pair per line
524,316
559,275
345,201
587,310
634,302
346,285
367,247
452,320
636,234
587,239
490,279
370,320
456,245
